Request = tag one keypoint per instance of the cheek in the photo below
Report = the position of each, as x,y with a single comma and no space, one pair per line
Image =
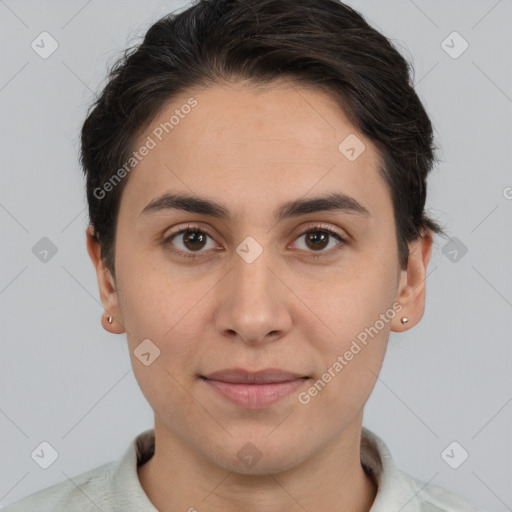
351,301
350,364
164,310
148,299
154,312
358,313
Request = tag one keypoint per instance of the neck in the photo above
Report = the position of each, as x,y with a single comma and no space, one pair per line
178,478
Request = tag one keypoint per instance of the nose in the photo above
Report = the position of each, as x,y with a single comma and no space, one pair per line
254,305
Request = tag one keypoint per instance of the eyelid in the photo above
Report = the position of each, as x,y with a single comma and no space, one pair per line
185,227
323,226
343,239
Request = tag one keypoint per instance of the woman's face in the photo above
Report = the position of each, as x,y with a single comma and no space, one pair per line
250,290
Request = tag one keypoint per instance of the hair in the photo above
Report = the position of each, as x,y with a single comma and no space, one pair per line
323,44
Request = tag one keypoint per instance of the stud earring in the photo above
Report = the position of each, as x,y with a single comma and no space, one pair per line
404,320
109,319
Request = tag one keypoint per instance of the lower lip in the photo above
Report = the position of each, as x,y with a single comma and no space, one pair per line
253,396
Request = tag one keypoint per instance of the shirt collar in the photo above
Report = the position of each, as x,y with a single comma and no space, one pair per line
395,490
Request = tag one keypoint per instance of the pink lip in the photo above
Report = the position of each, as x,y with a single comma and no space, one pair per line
254,389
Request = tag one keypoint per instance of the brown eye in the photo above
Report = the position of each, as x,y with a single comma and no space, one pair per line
194,240
318,238
189,241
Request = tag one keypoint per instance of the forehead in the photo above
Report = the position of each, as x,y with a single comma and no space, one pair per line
249,146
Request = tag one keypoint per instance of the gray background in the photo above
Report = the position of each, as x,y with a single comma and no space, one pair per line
64,380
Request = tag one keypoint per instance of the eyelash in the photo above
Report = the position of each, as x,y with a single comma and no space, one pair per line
314,229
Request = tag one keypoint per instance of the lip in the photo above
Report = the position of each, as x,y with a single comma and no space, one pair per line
256,389
242,376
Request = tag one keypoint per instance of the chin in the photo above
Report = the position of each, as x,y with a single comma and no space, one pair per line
247,457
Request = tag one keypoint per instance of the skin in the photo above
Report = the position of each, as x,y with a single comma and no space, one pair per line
252,150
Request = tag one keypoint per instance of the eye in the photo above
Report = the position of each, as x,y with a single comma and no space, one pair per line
192,239
318,237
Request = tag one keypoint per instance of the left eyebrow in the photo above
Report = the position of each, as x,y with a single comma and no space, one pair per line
336,201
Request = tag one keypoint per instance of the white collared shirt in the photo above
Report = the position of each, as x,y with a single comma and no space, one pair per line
115,486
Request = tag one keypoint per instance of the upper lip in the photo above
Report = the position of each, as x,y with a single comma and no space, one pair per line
265,376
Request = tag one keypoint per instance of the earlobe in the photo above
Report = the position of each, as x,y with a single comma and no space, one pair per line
106,285
110,324
411,288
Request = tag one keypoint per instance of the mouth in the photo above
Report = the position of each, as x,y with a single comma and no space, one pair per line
257,389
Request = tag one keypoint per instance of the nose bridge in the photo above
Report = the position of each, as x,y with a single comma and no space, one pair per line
254,255
252,281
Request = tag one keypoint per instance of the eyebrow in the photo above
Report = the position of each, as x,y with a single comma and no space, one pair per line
336,201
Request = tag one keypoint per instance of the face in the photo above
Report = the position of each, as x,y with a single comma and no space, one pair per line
251,289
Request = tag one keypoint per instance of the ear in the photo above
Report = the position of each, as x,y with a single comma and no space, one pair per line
411,288
106,285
